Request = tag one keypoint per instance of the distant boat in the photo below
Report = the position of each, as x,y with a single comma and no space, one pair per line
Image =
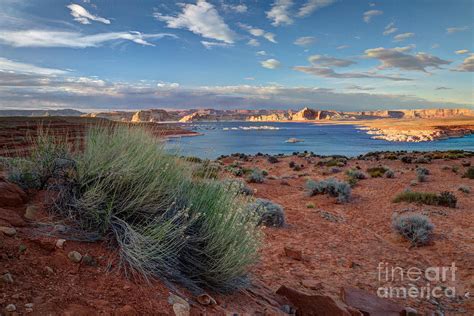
294,140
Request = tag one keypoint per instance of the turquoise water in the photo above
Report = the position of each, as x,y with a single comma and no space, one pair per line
224,138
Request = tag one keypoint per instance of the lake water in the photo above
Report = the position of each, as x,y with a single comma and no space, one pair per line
224,138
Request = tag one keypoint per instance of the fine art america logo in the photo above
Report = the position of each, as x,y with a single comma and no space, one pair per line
434,281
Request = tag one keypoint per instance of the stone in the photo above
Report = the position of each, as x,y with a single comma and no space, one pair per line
30,212
206,299
181,310
7,278
9,231
126,310
48,270
89,260
22,248
12,217
370,304
409,312
44,243
10,308
312,284
29,305
74,256
60,243
16,296
11,195
293,253
180,305
315,304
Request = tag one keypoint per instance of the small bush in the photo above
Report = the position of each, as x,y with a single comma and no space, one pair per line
469,173
270,214
389,174
444,199
356,174
407,159
464,189
193,159
421,174
447,199
416,228
238,186
206,170
376,172
292,164
236,171
256,176
297,168
272,159
333,187
310,205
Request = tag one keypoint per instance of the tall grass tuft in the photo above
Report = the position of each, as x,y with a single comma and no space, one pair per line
165,222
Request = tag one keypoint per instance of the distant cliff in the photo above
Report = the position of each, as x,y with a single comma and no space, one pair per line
62,112
308,114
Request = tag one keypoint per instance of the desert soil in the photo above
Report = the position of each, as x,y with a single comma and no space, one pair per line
342,246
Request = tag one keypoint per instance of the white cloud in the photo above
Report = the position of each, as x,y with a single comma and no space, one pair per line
270,63
249,78
451,30
167,85
44,38
403,36
202,19
261,53
368,15
239,8
83,16
467,65
17,67
462,51
305,41
327,61
210,45
253,42
398,57
330,73
390,28
342,47
257,32
312,5
279,13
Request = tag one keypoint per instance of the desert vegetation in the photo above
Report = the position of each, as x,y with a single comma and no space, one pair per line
415,228
166,220
339,189
445,198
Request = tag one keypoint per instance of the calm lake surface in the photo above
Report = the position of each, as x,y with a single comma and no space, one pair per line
224,138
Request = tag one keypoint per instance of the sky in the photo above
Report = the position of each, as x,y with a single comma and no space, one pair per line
95,55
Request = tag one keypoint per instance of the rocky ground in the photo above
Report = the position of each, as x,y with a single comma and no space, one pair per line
314,263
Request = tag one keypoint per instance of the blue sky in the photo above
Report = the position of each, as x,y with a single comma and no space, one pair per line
328,54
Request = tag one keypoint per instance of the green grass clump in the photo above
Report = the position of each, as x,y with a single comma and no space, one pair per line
256,176
377,172
469,173
270,214
164,220
443,199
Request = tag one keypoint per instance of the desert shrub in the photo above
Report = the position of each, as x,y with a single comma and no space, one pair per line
333,162
236,171
270,214
193,159
421,174
416,228
264,173
464,189
389,174
376,172
424,159
356,174
447,199
238,186
444,199
406,159
206,170
49,159
291,164
165,222
272,159
310,205
333,187
469,173
256,176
